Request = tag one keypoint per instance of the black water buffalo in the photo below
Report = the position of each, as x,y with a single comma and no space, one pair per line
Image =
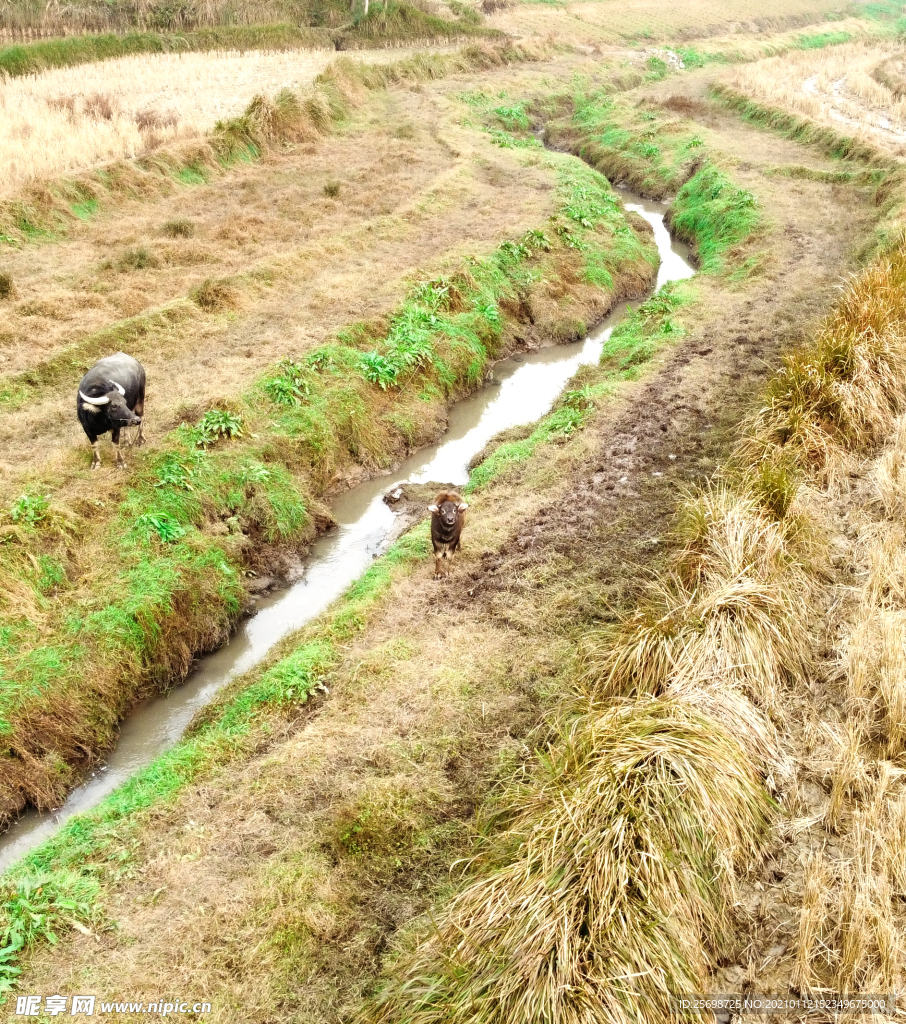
448,517
112,396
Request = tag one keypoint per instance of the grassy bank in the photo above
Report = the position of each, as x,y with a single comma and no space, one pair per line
658,154
79,647
33,58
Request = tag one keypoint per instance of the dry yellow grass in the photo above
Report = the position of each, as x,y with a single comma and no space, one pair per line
620,886
734,614
835,401
614,21
833,85
68,119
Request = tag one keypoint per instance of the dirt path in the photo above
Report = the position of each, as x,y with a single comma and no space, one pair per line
274,887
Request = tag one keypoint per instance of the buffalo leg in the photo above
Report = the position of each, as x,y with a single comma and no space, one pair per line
120,461
139,411
96,449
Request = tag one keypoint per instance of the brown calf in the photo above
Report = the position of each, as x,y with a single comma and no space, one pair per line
448,517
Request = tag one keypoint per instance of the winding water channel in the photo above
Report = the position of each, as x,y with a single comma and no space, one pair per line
524,389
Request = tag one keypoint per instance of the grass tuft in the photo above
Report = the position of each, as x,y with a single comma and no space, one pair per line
179,227
732,613
840,397
214,296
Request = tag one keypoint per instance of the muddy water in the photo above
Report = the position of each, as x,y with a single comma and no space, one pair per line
523,390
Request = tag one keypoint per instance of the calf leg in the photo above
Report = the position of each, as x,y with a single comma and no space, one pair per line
438,570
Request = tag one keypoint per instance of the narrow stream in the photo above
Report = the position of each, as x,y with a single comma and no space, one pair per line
524,389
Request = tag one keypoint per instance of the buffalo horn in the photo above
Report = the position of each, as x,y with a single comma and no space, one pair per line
94,401
118,387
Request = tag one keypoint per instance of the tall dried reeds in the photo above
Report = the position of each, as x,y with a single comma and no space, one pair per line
617,884
734,612
835,400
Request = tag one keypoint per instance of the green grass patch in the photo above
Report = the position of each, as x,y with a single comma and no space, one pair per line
818,40
714,215
85,210
646,329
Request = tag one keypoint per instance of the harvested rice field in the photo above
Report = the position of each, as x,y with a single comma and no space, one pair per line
68,119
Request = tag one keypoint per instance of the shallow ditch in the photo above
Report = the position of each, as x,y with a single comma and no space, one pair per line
523,389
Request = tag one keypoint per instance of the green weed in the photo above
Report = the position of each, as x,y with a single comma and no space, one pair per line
30,508
33,906
216,425
290,384
153,524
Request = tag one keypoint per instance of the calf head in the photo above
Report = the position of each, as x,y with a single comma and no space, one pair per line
447,511
113,405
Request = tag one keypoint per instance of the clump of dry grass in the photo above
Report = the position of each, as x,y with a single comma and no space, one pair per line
214,296
7,288
179,227
733,613
332,189
847,937
874,648
137,258
876,670
618,880
840,397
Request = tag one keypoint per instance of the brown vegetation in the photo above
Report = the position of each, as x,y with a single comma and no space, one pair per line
838,86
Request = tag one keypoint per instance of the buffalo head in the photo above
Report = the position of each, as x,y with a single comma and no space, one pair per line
114,406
